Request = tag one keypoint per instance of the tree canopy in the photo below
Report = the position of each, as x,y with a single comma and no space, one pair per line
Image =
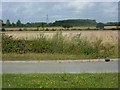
100,25
18,23
66,25
63,23
8,23
76,22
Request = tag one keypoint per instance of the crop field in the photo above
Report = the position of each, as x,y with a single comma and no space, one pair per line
33,28
84,44
110,37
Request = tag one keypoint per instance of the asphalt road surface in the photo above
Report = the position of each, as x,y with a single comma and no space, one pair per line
72,67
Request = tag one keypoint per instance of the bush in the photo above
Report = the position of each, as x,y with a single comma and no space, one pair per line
53,30
20,29
88,28
100,25
3,29
46,29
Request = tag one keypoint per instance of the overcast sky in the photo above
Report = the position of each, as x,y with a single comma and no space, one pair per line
37,11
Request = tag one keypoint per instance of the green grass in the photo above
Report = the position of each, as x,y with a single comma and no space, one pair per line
40,80
45,56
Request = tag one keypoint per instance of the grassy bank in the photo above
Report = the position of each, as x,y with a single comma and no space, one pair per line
45,56
39,80
56,47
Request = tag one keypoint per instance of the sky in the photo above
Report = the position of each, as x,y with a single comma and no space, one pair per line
38,11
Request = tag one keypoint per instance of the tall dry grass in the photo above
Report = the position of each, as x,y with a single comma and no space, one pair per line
60,43
110,37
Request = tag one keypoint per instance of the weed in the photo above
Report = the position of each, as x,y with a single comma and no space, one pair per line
57,44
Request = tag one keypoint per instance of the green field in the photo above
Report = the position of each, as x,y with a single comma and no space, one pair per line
63,80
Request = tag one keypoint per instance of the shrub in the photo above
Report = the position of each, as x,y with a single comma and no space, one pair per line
3,29
20,29
53,30
46,29
88,28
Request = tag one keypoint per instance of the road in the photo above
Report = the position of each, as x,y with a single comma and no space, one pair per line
60,67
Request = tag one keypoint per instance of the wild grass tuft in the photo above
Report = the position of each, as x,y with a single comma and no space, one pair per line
57,44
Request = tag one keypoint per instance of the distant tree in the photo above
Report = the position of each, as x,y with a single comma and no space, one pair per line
111,24
3,24
66,25
28,24
13,24
76,22
22,25
40,25
19,23
100,25
50,24
8,23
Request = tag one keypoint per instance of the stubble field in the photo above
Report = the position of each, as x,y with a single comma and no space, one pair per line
32,28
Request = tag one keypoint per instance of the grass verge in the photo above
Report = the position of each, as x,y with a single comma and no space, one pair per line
64,80
45,56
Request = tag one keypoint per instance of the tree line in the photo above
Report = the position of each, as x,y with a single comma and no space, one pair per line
74,22
19,24
63,23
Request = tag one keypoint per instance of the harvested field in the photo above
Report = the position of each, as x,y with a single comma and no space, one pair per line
33,28
107,36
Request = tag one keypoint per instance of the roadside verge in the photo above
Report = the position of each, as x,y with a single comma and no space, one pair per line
61,61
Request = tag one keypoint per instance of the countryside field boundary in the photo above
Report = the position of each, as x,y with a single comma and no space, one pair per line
106,28
57,47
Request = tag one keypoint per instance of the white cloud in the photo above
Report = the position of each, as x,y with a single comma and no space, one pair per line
80,6
110,9
58,7
0,10
60,0
62,10
76,6
25,8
